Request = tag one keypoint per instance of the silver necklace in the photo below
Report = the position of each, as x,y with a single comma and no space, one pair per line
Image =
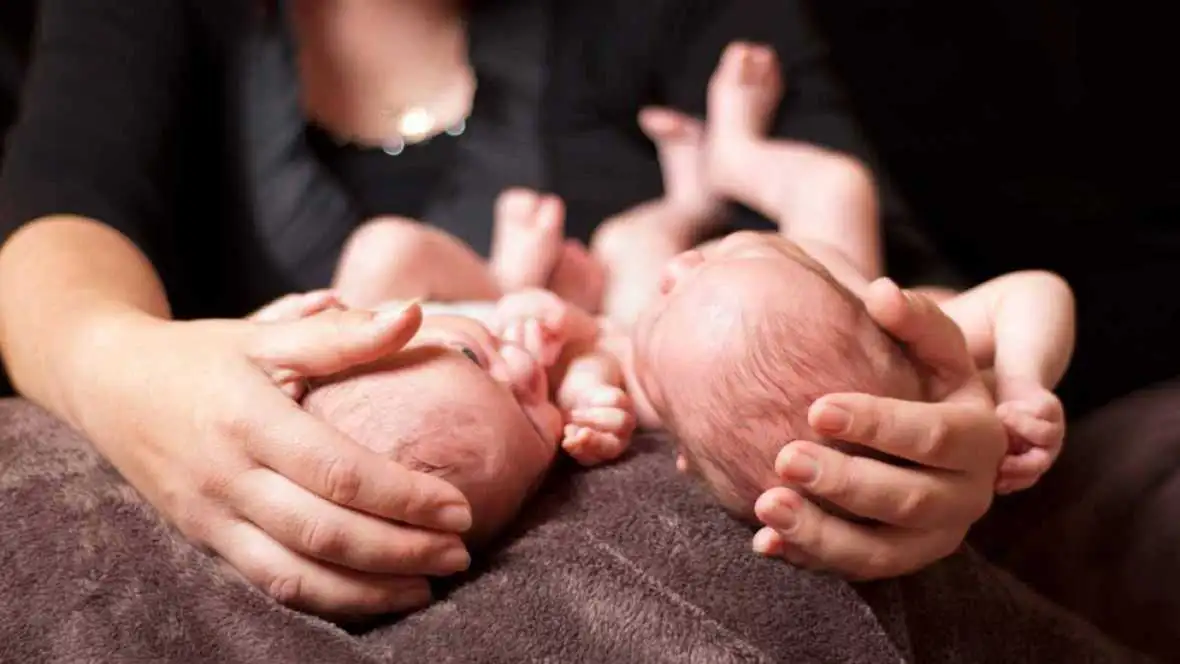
416,125
410,126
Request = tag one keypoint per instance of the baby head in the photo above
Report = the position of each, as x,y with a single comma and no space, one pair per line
744,336
458,404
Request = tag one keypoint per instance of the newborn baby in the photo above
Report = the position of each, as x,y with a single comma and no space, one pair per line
475,407
746,333
457,403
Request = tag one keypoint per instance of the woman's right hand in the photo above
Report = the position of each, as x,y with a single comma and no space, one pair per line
194,415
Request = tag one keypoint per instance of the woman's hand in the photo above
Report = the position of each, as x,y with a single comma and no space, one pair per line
193,415
956,443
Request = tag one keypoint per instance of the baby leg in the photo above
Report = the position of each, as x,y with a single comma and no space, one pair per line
680,146
391,258
744,94
824,201
1021,326
527,239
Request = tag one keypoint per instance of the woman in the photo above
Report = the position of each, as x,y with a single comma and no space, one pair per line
129,224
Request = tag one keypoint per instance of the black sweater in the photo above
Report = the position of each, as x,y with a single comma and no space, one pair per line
133,116
1018,138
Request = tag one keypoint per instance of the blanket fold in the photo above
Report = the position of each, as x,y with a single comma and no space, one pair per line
628,563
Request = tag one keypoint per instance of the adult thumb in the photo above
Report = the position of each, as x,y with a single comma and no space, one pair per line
333,340
930,336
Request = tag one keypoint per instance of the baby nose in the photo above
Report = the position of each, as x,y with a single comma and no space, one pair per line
678,268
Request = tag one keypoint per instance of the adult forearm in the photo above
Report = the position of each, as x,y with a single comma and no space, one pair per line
66,286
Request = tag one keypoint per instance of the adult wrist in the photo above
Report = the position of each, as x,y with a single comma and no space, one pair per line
93,355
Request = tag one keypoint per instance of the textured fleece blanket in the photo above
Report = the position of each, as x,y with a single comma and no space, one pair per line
623,564
1100,534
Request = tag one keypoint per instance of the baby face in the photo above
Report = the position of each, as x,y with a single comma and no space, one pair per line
506,365
457,403
697,315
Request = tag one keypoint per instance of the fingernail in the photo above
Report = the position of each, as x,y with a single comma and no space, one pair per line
455,518
764,542
455,560
784,516
833,419
799,467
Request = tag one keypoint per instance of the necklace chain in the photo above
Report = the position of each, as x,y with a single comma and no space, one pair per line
411,125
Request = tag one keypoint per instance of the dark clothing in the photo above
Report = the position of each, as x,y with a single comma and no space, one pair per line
16,29
380,183
1026,135
996,123
134,117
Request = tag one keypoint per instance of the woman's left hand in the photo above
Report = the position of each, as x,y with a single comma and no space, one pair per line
923,511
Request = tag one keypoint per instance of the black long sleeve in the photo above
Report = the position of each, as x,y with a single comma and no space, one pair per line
98,126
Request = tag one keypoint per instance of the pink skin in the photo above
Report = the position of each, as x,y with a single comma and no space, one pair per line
1031,413
459,357
509,365
454,402
529,250
599,416
1035,421
683,323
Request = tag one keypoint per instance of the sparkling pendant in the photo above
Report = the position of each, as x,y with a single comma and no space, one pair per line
458,128
415,124
395,146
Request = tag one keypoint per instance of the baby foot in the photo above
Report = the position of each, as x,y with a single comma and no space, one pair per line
1035,421
680,146
599,426
527,239
578,277
744,94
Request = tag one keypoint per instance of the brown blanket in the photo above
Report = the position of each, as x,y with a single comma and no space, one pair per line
1101,533
622,564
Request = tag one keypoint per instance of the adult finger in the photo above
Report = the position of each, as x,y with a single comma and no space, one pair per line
930,336
310,586
771,543
333,341
314,527
876,490
324,461
857,551
939,435
296,306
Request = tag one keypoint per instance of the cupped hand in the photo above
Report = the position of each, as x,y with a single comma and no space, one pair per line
922,512
194,415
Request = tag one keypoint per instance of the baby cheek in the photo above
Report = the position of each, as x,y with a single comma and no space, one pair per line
548,421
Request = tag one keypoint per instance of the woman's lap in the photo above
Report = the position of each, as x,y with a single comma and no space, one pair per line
1100,534
623,563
